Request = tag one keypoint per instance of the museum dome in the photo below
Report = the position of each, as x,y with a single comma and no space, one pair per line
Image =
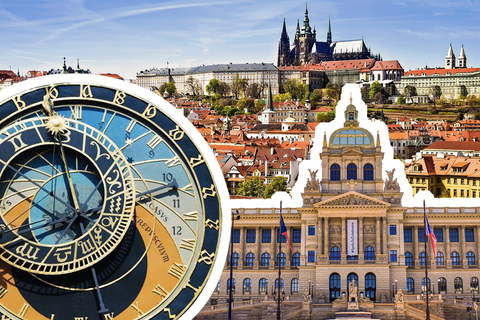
351,135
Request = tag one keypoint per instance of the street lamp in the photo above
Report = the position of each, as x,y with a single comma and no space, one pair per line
395,286
438,286
235,216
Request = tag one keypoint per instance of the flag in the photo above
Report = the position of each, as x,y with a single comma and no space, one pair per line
429,233
283,231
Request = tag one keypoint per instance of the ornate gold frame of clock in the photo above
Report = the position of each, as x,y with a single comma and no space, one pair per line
112,204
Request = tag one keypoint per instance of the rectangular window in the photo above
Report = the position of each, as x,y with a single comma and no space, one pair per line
393,229
453,235
311,230
281,236
393,255
421,235
438,234
236,236
407,234
469,235
266,236
251,234
311,256
297,236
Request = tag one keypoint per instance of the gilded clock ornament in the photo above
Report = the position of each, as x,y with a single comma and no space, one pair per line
110,204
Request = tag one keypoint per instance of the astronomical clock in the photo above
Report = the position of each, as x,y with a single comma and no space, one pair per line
110,204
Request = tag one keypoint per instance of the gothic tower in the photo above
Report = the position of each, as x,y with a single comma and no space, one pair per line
306,39
462,59
450,59
284,56
329,33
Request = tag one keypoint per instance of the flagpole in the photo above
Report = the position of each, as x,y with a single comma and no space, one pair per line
279,263
427,313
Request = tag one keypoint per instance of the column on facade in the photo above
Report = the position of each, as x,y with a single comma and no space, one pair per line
272,247
286,249
241,248
384,249
360,237
319,237
446,236
258,239
477,241
325,237
378,236
463,251
344,236
402,237
415,250
304,236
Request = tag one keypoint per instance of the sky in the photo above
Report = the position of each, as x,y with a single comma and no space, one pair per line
125,37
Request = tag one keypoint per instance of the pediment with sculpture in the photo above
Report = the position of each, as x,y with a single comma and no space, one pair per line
353,199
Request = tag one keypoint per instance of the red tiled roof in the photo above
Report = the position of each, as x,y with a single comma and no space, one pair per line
454,145
348,64
387,65
440,71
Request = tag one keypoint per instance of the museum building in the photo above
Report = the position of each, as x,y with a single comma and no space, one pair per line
352,227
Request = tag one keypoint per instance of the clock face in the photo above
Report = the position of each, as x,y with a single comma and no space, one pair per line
108,206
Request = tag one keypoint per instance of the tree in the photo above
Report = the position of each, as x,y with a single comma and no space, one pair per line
409,92
375,88
472,100
246,104
194,86
212,86
331,93
223,89
278,184
379,98
296,89
254,90
281,97
251,187
239,85
400,100
325,117
171,88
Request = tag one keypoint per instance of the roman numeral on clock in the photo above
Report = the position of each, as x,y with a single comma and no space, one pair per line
187,244
177,270
154,142
160,291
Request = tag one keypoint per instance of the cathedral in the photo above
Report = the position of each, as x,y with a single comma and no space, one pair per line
306,49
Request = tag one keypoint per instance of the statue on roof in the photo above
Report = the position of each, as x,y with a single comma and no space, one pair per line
312,183
390,184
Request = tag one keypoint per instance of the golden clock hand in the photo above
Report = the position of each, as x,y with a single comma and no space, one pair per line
69,177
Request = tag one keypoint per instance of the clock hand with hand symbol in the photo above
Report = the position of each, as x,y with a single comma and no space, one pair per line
109,207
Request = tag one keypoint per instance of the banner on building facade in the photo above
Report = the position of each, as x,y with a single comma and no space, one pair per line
352,237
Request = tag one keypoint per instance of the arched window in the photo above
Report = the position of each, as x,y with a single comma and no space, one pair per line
217,288
439,261
368,172
265,260
335,253
262,285
421,257
455,257
228,285
370,286
294,285
235,258
410,285
474,284
442,284
335,172
352,277
296,259
281,258
425,282
334,286
276,285
250,259
408,259
471,258
351,172
247,285
369,253
458,284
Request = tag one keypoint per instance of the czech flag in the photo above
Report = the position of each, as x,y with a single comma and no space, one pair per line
429,233
283,231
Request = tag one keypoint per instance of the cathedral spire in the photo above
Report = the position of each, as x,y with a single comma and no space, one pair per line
462,59
269,97
306,23
284,30
329,33
298,27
